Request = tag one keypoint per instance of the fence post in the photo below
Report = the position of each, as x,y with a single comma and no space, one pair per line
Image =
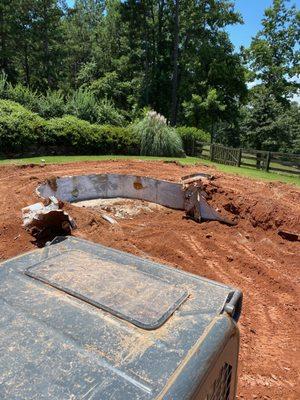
212,152
239,158
258,160
268,161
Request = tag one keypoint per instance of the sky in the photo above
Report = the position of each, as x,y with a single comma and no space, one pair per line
252,12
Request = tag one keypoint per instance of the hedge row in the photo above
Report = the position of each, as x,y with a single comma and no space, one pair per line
82,137
19,127
22,131
81,103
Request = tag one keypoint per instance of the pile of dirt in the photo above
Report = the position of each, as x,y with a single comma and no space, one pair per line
250,255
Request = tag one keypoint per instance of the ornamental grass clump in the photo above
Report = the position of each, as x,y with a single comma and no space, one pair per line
157,138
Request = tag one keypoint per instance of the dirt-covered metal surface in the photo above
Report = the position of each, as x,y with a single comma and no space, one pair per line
57,346
125,292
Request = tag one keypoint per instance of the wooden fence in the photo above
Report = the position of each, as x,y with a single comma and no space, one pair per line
259,159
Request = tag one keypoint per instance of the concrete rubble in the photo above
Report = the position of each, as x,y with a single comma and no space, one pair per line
40,218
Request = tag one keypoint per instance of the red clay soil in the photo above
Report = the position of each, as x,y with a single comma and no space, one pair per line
251,255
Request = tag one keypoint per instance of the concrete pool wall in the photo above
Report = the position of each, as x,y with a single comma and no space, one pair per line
87,187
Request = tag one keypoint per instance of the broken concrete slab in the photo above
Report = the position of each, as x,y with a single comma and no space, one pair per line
109,219
39,218
197,177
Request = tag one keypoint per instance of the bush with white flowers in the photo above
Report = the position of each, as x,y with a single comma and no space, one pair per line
157,138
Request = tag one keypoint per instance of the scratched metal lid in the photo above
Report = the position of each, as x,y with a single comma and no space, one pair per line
122,290
73,318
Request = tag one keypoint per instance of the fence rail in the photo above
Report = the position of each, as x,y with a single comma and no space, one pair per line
259,159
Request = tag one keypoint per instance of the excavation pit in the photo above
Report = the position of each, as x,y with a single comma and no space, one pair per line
95,190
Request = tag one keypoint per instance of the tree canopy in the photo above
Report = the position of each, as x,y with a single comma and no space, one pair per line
273,60
110,59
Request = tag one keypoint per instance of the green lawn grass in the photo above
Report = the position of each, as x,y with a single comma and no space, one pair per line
244,171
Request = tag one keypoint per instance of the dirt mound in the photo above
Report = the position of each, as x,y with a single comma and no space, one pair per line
250,255
261,210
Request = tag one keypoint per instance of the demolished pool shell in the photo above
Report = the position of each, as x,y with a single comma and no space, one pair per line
187,195
88,187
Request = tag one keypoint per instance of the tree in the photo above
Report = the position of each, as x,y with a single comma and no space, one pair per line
24,37
207,109
174,100
267,125
7,37
79,26
273,56
291,119
30,39
180,49
46,53
268,121
218,80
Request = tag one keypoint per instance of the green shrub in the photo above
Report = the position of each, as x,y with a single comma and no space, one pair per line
191,135
119,140
157,138
107,113
52,105
83,105
86,138
23,131
19,127
23,95
73,133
